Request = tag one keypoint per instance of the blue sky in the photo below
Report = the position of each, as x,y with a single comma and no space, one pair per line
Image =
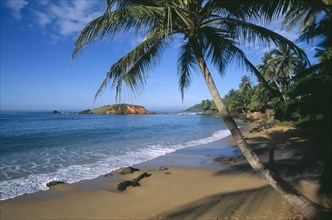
37,40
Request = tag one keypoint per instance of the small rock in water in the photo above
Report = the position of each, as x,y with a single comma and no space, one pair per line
55,182
128,170
162,168
56,112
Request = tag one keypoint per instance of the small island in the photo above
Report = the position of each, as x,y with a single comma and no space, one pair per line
118,109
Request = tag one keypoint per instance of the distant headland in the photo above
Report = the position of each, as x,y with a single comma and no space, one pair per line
118,109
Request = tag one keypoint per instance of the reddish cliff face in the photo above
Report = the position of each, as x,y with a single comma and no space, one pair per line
136,109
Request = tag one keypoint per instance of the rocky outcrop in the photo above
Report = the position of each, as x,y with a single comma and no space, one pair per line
118,109
55,182
135,182
135,109
128,170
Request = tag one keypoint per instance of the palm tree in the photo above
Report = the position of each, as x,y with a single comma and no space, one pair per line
313,27
245,84
209,32
286,63
268,71
315,18
245,88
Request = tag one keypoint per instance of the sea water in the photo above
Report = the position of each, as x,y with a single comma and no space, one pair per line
38,147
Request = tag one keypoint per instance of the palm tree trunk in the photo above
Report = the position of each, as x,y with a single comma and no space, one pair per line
280,89
300,203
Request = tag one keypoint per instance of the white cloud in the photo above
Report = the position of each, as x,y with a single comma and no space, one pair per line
42,18
43,2
277,27
71,17
57,18
16,7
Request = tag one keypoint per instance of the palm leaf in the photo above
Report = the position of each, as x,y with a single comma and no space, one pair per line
112,23
186,63
254,33
215,44
132,68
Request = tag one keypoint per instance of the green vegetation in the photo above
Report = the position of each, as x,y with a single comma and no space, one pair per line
206,106
305,100
195,108
117,109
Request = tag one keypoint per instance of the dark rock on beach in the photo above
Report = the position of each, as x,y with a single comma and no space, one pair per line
123,185
162,168
135,182
55,182
128,170
108,174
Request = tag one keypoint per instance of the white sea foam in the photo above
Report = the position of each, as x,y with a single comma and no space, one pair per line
74,173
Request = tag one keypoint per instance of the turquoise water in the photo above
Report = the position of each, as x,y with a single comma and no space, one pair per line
37,147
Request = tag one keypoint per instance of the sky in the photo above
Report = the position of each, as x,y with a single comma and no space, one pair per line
37,41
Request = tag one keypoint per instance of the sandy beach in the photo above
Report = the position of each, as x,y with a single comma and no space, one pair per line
193,186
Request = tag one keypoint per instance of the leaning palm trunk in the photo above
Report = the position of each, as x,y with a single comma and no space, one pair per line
280,89
300,203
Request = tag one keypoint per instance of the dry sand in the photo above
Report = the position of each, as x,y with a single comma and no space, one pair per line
177,193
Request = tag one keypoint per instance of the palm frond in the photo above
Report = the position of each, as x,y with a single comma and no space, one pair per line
185,64
253,33
112,23
132,68
215,47
248,9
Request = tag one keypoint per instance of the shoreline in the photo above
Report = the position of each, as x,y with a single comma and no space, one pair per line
199,156
194,186
102,160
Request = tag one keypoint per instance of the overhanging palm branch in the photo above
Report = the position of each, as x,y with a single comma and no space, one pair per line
132,68
168,16
186,62
254,33
112,23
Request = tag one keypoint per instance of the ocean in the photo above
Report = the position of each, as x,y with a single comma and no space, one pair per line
39,147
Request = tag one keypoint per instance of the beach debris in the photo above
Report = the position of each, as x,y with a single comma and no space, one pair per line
55,182
162,168
134,182
128,170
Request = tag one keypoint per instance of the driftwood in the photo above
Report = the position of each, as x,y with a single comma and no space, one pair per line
134,182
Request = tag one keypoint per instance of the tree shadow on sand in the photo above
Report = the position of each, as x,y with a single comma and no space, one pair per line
231,205
295,153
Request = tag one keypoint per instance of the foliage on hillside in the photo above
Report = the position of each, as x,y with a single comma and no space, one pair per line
195,108
118,109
